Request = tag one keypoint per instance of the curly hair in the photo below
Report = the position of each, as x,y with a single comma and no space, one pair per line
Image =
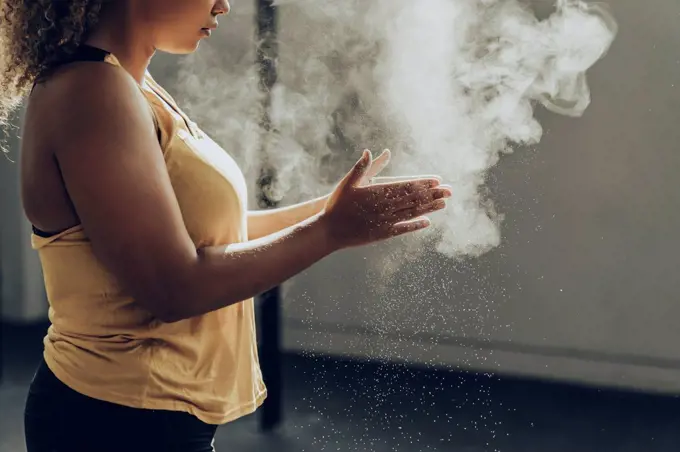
33,36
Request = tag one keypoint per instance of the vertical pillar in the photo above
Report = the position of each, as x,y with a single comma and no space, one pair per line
269,302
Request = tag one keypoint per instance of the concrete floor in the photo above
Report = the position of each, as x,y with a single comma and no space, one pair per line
333,405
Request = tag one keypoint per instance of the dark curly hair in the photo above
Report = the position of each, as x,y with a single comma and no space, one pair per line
34,34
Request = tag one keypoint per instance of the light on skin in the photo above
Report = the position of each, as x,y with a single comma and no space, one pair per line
134,30
262,223
265,222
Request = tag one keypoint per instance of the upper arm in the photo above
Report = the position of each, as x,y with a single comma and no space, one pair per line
115,174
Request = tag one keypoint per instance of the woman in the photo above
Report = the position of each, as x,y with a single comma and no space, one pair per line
150,257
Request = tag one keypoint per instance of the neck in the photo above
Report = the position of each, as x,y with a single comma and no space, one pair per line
119,33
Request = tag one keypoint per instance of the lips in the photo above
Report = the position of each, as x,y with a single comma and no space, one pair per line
207,30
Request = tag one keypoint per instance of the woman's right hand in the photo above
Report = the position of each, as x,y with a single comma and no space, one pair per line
357,214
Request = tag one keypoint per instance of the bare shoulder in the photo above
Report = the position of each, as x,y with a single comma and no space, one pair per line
112,167
89,99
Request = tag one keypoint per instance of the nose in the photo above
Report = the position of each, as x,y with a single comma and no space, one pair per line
221,7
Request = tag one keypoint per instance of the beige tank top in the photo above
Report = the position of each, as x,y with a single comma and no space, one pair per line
104,345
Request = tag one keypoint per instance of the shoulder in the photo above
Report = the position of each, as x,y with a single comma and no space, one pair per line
88,97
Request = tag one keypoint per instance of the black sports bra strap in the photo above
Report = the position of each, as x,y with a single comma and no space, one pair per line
86,53
83,53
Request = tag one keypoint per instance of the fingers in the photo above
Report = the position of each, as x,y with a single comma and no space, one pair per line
379,164
397,190
359,170
409,226
414,212
411,220
392,179
414,199
376,167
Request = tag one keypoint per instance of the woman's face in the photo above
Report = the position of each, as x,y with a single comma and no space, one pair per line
178,26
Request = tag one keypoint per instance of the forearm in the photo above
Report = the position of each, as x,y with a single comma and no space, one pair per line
262,223
223,276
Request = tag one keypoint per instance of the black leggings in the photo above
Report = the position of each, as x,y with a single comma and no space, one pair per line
59,419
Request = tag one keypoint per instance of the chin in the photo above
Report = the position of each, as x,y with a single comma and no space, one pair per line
183,49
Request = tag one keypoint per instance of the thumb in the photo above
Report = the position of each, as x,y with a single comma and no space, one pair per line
357,173
377,166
